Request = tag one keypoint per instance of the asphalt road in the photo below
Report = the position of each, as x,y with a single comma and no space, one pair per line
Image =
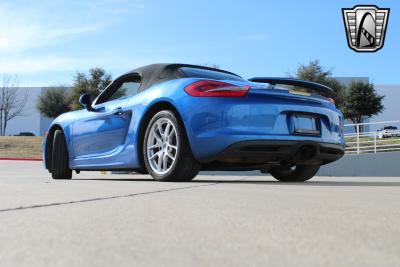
216,220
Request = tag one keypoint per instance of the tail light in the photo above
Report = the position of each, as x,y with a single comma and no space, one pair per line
207,88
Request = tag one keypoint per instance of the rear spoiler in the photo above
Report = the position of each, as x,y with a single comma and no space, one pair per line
325,90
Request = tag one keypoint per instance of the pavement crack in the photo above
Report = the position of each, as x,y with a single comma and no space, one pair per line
101,198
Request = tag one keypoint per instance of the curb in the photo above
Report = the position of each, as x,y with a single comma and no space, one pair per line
23,159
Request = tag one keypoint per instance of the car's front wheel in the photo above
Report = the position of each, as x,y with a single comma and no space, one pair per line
296,173
59,160
166,150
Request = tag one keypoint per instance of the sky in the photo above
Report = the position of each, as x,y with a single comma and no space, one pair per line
44,43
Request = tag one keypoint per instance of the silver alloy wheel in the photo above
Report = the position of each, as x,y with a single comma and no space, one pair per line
162,146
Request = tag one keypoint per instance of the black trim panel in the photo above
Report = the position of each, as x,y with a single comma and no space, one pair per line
275,152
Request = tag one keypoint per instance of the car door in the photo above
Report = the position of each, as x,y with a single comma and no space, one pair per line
103,130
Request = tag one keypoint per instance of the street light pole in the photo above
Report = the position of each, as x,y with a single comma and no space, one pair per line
1,121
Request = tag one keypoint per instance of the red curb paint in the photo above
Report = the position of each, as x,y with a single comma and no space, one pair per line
26,159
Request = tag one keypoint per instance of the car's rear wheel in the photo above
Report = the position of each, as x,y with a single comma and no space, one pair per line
166,150
59,160
296,173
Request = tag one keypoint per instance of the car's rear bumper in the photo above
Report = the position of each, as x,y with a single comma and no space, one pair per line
216,124
260,152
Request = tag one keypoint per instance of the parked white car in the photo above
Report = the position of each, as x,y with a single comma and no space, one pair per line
388,131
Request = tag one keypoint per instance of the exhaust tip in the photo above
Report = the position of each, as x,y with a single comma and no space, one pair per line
306,152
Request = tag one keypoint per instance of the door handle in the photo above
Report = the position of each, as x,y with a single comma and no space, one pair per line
118,111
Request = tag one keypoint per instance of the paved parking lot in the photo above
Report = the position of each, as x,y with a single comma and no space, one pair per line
216,220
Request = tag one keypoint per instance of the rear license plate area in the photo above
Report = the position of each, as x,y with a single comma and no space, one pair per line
305,124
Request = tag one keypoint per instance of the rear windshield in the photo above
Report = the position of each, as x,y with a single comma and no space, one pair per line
208,74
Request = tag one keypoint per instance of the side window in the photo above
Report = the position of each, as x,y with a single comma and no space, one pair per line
128,88
125,87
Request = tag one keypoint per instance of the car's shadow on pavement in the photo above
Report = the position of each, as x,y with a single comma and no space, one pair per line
209,181
115,179
308,183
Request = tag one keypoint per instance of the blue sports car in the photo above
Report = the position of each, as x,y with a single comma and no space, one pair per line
173,120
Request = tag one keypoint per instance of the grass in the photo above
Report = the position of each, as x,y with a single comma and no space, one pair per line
364,139
367,144
21,146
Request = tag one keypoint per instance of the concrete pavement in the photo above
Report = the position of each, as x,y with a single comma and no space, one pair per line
216,220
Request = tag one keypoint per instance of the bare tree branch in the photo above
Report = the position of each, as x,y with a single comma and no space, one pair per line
12,101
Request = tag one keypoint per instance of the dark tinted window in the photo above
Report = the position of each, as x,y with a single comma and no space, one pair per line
126,89
207,74
119,89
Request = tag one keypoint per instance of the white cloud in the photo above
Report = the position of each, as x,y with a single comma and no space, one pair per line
18,38
39,64
54,63
33,33
26,25
23,29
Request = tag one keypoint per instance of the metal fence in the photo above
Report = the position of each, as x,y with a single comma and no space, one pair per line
381,137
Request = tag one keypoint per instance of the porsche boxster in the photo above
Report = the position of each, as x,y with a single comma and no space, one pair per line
173,120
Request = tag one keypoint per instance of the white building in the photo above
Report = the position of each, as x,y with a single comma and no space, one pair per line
31,119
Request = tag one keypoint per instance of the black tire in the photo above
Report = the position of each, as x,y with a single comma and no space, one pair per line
185,166
299,173
59,160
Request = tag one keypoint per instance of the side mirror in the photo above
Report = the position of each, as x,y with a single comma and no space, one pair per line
86,101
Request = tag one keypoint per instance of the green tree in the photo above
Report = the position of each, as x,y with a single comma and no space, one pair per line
362,102
315,72
93,83
53,102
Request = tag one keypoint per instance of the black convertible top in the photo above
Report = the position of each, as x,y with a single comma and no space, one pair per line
160,72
